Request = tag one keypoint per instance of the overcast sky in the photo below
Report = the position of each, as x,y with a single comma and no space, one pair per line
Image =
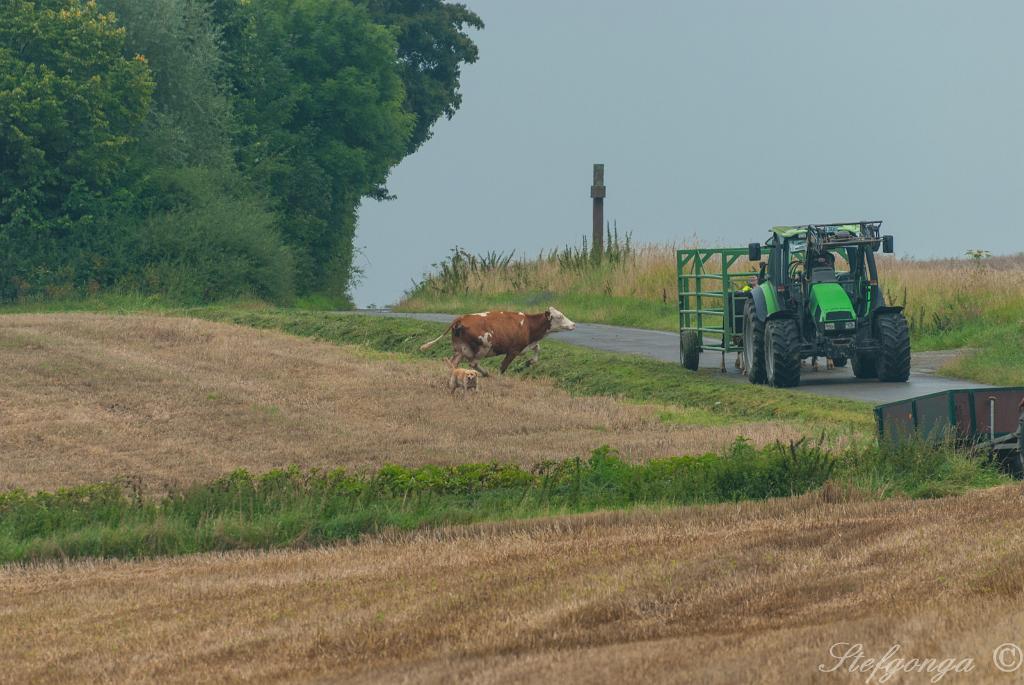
719,119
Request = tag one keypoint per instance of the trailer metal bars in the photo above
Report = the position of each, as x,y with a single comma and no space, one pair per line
706,291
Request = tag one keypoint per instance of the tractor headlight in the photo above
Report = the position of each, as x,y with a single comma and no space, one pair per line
830,327
850,324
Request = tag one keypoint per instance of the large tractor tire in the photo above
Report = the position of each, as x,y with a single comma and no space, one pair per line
894,342
690,349
864,366
753,345
782,353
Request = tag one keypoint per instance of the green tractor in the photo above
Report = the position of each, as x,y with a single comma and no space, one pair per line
818,296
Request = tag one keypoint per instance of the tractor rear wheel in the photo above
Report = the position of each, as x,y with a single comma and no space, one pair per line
782,353
894,340
753,345
690,348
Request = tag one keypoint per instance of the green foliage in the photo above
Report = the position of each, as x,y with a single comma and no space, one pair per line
291,507
192,120
432,47
209,242
70,102
287,112
321,104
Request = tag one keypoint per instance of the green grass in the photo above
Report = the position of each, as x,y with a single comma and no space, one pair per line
996,338
582,307
292,508
578,370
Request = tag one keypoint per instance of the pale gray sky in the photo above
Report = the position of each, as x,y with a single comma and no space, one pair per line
718,118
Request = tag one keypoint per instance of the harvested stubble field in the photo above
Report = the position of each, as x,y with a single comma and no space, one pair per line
727,593
171,401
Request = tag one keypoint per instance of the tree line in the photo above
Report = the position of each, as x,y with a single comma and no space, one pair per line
203,149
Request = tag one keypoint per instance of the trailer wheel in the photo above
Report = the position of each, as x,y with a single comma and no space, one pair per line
894,357
782,353
690,348
753,345
1014,465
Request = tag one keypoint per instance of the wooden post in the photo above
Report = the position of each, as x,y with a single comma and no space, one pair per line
597,191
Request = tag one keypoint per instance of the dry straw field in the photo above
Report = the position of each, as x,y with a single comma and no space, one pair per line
92,397
641,596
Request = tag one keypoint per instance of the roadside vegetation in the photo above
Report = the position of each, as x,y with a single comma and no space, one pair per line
976,302
295,508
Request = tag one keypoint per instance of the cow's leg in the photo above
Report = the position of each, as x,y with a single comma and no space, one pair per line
536,354
814,364
475,364
456,359
508,360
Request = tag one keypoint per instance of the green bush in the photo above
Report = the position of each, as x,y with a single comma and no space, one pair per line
292,507
209,240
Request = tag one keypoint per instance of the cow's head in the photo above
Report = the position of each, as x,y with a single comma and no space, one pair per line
559,321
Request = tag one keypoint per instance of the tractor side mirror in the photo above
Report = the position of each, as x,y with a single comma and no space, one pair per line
887,246
754,252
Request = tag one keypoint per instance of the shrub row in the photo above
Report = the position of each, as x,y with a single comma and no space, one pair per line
292,506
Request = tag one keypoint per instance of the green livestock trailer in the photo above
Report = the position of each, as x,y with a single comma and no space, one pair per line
711,297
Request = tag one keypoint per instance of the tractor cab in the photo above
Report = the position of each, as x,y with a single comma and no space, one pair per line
826,274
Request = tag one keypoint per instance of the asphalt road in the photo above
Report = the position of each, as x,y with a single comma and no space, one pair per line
664,346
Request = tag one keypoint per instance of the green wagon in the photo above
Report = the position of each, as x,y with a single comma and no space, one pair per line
711,299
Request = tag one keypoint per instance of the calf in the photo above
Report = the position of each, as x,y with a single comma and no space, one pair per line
488,334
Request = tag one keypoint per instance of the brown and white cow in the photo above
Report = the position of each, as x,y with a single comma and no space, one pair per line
489,334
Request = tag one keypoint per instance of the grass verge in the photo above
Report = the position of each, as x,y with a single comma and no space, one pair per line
292,508
583,307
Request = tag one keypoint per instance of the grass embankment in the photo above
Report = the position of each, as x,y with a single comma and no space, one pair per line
291,508
590,307
950,303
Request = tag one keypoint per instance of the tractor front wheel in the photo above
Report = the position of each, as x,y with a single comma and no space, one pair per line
839,361
690,348
753,345
894,340
782,353
864,366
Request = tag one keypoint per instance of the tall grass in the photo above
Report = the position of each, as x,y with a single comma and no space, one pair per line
292,508
940,296
624,270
